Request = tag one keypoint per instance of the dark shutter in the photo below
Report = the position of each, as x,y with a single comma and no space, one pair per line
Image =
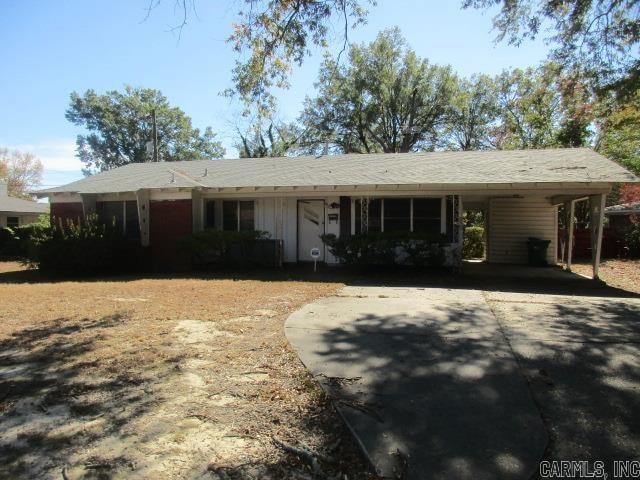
345,217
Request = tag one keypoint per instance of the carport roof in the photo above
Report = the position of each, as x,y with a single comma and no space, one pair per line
576,165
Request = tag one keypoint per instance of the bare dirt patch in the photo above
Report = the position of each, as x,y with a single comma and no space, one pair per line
619,273
160,378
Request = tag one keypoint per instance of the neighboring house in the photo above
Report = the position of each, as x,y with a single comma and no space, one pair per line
296,199
17,211
620,215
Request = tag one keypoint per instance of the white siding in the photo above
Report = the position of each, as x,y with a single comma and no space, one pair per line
512,221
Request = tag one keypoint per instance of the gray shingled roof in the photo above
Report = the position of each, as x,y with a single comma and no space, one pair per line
18,205
623,209
482,167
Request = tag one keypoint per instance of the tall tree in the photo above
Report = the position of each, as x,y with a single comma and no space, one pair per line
619,134
21,170
120,129
542,108
474,113
598,37
276,140
386,99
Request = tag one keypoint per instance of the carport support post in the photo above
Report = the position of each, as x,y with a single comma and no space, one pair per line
596,204
570,213
142,199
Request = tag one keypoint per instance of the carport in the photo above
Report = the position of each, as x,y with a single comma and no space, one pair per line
511,219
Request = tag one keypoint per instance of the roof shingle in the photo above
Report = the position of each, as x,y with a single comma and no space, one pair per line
578,165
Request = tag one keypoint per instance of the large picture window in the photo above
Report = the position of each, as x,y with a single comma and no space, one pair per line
238,215
427,213
121,214
421,215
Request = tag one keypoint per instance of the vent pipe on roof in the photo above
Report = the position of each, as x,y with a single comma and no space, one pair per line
173,178
205,173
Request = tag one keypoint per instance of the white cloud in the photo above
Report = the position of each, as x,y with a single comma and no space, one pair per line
56,155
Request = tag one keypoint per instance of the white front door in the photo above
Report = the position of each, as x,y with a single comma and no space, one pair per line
310,227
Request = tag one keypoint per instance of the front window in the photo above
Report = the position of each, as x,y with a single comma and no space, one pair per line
421,215
238,215
123,215
397,215
13,222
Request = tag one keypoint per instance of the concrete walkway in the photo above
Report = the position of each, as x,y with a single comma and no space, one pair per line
425,379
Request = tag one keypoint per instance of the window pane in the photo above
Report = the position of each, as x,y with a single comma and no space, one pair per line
133,226
13,222
375,215
246,216
426,215
112,214
230,215
210,214
397,213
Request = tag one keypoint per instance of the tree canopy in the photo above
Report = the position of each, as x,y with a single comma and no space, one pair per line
600,38
620,134
120,127
385,99
21,170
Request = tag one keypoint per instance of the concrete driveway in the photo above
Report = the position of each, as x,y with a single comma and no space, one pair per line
425,379
461,383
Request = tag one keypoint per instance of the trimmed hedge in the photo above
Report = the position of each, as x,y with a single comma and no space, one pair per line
211,248
388,248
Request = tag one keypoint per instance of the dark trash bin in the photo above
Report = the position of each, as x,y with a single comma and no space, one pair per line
537,249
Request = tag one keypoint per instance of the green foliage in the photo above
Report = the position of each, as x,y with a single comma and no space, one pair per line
211,248
541,108
19,242
599,37
275,141
89,247
386,99
277,35
119,128
391,248
631,241
473,114
620,134
473,244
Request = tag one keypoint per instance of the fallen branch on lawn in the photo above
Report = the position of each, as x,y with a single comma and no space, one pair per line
308,456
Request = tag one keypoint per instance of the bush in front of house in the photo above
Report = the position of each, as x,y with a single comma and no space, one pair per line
17,242
473,242
87,247
214,248
387,248
631,241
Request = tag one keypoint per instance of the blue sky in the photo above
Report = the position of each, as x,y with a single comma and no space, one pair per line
49,49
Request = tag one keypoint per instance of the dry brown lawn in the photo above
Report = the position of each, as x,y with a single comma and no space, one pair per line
623,274
163,378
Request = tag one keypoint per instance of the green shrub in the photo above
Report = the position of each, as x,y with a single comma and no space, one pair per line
473,244
211,248
388,248
17,242
87,247
631,241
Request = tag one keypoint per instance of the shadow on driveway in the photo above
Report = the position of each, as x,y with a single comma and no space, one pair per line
425,379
